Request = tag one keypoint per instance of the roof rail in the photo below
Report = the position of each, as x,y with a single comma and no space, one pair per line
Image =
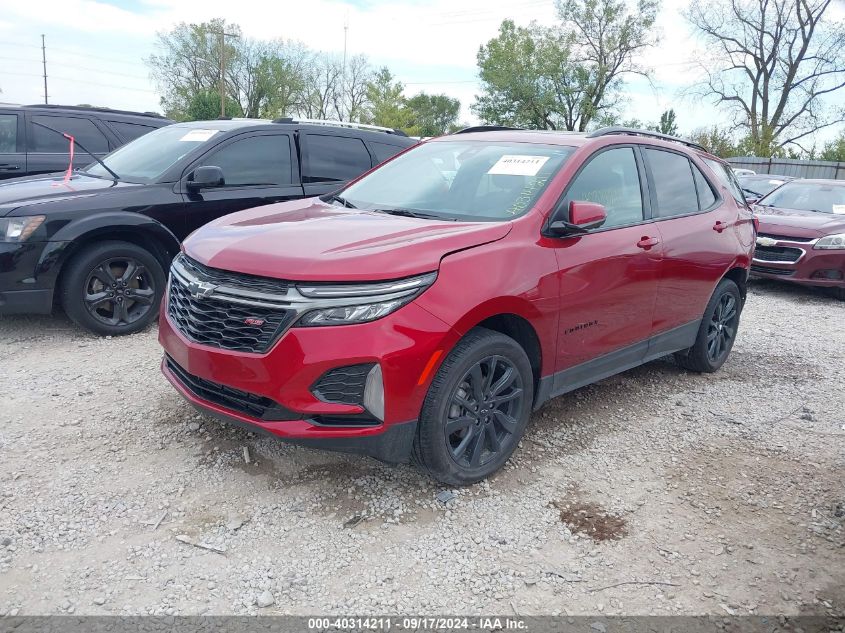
618,129
349,124
485,128
50,106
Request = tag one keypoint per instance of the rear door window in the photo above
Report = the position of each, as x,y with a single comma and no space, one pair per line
383,151
130,131
673,183
255,160
611,179
335,158
727,178
8,133
706,197
83,130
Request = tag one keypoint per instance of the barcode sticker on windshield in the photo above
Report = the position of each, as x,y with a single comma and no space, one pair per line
839,209
518,165
198,136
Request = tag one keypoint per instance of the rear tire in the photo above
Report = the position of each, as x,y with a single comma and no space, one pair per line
113,288
717,332
476,409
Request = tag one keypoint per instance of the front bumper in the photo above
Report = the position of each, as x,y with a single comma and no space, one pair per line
403,343
823,268
26,278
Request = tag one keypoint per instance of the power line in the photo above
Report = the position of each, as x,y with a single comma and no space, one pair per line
79,81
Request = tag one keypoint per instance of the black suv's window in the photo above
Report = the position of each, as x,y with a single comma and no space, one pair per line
611,179
673,183
130,131
383,151
83,130
332,158
8,133
255,160
706,197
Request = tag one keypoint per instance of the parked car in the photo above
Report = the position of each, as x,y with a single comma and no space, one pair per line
28,147
100,242
802,234
756,186
431,305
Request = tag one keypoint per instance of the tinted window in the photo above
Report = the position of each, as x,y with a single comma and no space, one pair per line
612,180
706,197
8,133
257,160
383,151
83,130
130,131
673,183
727,178
335,158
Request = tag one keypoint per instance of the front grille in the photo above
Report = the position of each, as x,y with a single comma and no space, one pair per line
343,385
784,238
777,254
766,270
233,319
234,399
235,280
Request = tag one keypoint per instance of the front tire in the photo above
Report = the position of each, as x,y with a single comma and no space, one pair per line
476,409
113,288
717,332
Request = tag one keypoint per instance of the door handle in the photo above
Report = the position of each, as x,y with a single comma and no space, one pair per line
719,226
7,167
647,242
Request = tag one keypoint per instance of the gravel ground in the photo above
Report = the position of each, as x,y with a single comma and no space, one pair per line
691,494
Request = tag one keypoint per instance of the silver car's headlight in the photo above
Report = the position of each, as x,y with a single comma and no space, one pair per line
831,242
20,228
344,304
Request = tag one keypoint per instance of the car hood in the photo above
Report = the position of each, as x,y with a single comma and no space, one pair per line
799,223
309,240
32,191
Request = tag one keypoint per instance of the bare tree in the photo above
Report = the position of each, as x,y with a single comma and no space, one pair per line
774,63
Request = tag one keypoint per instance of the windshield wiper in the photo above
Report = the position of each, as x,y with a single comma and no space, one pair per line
342,201
80,146
408,213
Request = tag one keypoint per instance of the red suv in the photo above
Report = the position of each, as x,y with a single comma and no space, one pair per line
427,308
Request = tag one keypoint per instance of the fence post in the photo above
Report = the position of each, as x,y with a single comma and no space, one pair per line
836,173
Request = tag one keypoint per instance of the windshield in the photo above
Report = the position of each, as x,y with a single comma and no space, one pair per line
148,157
759,186
457,179
808,196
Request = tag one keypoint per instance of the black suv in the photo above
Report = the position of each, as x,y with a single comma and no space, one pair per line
28,147
98,241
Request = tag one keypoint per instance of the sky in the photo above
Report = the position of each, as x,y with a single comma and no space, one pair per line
95,48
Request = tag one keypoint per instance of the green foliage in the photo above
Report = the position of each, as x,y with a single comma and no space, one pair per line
205,105
667,124
716,141
433,115
387,105
567,76
834,150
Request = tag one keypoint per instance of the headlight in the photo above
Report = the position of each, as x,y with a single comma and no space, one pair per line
344,304
831,242
18,229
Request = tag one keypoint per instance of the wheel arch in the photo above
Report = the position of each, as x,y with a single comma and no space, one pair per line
739,275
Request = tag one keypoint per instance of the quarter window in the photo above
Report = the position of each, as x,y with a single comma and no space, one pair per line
83,130
673,183
130,131
8,133
335,158
727,178
706,197
255,160
612,180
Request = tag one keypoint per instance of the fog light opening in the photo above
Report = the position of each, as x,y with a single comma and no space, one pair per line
374,392
830,273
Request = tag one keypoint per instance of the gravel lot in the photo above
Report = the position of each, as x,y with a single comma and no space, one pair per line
693,494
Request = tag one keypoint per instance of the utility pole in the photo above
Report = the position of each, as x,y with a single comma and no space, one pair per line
44,64
345,31
222,35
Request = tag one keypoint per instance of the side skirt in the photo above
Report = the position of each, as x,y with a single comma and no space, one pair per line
616,362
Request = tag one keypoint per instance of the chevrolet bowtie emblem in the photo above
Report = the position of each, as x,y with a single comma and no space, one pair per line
766,241
200,289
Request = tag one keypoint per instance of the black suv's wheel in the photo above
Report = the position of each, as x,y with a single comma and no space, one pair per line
717,332
476,409
113,288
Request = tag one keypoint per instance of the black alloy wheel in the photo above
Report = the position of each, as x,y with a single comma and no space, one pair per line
119,291
721,331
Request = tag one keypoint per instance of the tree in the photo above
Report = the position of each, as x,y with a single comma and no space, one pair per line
667,123
205,105
774,64
716,141
433,115
834,150
386,102
567,76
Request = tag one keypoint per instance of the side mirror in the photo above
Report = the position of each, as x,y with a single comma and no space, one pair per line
583,216
206,177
